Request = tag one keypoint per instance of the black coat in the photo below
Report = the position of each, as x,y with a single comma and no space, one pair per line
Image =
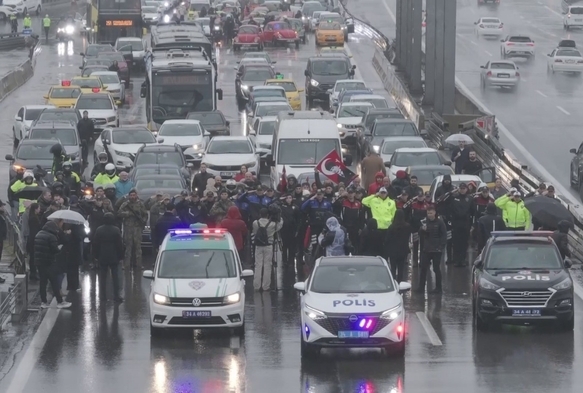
371,242
107,244
165,222
3,228
34,226
291,215
46,245
486,225
434,237
562,241
397,240
199,182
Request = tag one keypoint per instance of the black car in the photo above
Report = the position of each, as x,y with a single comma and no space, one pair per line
384,128
252,75
93,51
154,169
521,279
29,154
162,155
322,73
65,133
378,113
214,122
576,171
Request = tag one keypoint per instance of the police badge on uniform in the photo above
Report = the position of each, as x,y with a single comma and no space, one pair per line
196,285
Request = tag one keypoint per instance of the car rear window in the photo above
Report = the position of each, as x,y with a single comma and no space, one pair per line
490,20
568,53
576,10
502,66
520,39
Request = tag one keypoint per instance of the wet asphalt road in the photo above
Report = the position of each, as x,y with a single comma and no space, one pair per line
98,347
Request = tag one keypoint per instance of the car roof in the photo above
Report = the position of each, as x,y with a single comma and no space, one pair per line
55,124
129,39
97,73
273,101
266,119
276,80
414,168
199,242
503,62
416,150
376,96
380,111
155,176
126,128
230,138
350,81
380,121
157,148
355,103
38,106
403,139
268,87
182,121
37,142
351,261
97,95
464,178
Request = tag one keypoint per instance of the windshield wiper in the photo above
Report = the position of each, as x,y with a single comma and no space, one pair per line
206,268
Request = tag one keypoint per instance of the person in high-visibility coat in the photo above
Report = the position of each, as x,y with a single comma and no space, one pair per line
27,181
515,214
47,26
27,22
13,23
109,176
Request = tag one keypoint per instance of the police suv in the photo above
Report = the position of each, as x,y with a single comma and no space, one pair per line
197,282
352,302
521,279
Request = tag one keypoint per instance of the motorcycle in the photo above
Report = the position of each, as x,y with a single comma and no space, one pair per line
65,32
217,34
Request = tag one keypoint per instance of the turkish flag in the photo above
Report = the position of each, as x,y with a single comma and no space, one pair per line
334,169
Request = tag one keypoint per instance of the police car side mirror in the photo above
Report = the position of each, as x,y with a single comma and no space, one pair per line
478,264
568,263
573,151
247,273
148,274
404,287
306,73
300,286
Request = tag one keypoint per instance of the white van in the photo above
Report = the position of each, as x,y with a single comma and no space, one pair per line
300,140
573,17
23,6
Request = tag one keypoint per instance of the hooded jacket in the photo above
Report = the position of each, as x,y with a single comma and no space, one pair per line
370,167
333,240
107,242
383,210
200,181
489,223
234,223
46,245
164,223
434,237
377,184
400,182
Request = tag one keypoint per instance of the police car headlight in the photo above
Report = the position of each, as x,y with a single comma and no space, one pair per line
376,148
393,313
485,284
234,298
161,299
565,284
314,314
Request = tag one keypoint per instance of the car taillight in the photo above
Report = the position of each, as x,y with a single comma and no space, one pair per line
501,25
489,73
517,73
481,25
510,43
530,44
568,15
558,61
579,61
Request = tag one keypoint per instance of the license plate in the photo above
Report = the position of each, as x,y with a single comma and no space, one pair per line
528,312
228,174
352,334
196,314
570,61
503,76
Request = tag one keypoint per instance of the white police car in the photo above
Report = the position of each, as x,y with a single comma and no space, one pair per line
197,282
352,302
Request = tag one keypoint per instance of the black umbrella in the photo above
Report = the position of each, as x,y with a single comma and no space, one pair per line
547,212
30,193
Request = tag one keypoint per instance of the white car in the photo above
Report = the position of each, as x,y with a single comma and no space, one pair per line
150,14
573,17
456,180
345,84
349,118
224,156
565,60
351,302
6,12
24,118
501,73
517,46
100,107
391,144
489,27
115,87
414,156
122,144
315,21
188,134
133,45
262,135
197,282
378,101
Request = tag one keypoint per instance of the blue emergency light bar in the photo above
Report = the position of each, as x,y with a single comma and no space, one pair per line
198,229
497,234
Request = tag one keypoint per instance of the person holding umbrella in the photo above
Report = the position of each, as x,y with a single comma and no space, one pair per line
547,212
515,214
460,155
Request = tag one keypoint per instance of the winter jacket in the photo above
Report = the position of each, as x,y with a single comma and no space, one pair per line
397,240
234,223
434,237
480,204
460,161
370,168
486,225
351,213
318,212
334,238
103,179
413,191
515,214
107,242
86,129
134,214
472,167
34,226
46,245
400,182
371,240
199,182
190,212
123,188
376,185
291,216
460,209
561,239
254,204
220,209
156,212
164,223
383,210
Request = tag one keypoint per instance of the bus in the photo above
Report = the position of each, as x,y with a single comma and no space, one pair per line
178,81
118,18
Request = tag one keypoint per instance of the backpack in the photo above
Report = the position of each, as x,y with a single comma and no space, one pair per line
261,238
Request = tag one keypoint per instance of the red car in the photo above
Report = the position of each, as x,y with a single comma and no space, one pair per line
248,36
280,32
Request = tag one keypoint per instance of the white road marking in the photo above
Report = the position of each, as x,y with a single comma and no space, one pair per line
542,94
488,53
563,110
474,42
391,14
431,333
290,75
228,51
553,11
289,63
28,362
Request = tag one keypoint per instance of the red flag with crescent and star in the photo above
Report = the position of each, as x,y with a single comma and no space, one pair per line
334,169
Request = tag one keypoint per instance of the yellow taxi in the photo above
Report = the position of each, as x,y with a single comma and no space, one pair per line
88,84
291,91
63,96
329,33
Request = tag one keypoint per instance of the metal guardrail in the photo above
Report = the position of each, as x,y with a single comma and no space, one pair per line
483,132
11,41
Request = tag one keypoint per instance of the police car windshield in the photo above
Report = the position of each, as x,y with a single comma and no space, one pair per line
32,152
67,136
359,278
519,255
125,137
197,264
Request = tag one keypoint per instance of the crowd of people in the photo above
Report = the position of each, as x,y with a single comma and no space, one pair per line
295,223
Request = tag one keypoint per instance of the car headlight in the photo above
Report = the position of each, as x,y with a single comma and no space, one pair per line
314,82
60,30
122,154
314,314
485,284
244,87
217,28
161,299
392,313
339,125
233,298
250,164
565,284
376,148
69,29
303,18
197,146
111,118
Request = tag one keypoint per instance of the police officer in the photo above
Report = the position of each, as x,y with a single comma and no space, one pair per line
19,185
515,214
13,23
86,129
27,22
71,179
100,167
59,157
134,216
47,26
460,206
109,176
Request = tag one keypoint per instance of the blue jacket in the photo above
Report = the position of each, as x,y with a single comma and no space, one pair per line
123,188
253,202
318,212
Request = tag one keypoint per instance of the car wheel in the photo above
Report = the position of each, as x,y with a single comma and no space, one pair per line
397,350
308,351
240,330
481,326
568,325
156,332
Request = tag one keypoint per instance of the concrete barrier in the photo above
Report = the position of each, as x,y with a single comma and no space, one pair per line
15,78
